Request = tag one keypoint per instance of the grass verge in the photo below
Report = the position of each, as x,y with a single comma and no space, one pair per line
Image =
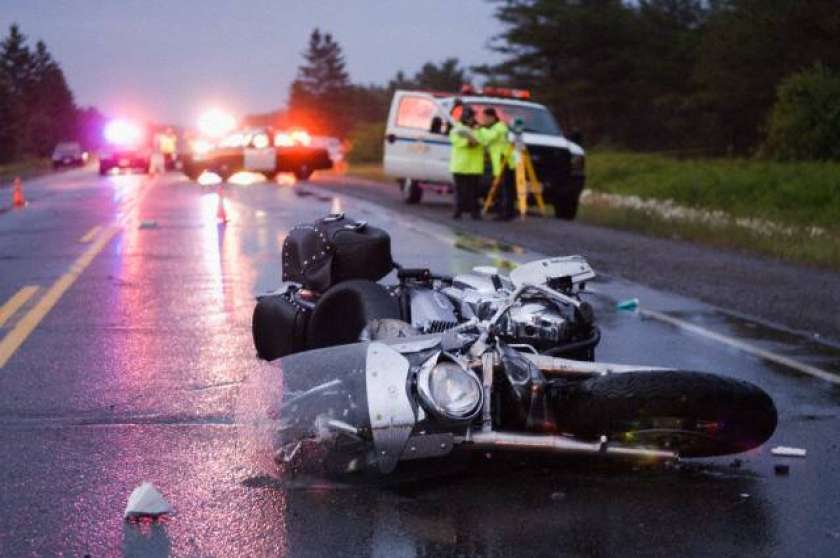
797,246
801,194
24,169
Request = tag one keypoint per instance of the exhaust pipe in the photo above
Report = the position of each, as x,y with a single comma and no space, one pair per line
559,445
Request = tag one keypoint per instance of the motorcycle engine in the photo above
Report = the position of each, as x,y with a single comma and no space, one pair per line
537,322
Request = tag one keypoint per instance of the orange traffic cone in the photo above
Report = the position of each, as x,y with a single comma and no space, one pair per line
221,214
17,194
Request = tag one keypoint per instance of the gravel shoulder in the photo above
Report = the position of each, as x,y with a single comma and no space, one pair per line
795,297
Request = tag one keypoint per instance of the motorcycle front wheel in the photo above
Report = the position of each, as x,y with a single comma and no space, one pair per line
696,414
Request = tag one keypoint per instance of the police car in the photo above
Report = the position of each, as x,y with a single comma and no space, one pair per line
126,147
417,148
261,149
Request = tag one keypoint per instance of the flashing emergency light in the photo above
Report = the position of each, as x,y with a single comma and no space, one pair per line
123,132
216,123
201,146
282,139
301,137
260,141
293,138
505,92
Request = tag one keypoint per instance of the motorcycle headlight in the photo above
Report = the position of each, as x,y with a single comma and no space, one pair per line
450,391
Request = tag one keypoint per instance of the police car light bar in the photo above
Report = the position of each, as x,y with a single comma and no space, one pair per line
522,94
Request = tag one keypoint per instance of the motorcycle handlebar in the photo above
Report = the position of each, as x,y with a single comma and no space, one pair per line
420,274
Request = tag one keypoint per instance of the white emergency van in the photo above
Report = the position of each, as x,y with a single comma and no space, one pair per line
417,148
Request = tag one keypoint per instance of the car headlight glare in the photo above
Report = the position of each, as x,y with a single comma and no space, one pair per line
450,391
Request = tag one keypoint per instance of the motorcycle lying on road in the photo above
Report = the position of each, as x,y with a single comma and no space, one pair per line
382,382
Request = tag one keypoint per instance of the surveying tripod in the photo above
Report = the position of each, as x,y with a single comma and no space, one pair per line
526,179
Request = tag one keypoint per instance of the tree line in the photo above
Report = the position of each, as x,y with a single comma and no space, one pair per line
714,77
36,105
665,74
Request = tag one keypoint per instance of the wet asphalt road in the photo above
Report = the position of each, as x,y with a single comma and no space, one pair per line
137,373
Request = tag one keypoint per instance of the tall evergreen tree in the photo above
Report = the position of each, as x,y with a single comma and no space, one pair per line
51,115
320,96
16,72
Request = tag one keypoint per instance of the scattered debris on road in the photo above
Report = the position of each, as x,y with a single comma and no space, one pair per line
784,451
146,501
629,304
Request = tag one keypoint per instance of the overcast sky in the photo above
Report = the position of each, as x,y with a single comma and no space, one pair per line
168,59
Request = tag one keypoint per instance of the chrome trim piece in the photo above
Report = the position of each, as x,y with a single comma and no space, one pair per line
488,362
414,344
389,407
541,271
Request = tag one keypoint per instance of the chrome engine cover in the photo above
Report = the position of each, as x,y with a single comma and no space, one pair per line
432,311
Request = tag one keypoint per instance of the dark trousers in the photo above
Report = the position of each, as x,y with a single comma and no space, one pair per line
507,194
466,193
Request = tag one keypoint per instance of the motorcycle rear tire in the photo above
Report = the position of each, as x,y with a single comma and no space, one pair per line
694,413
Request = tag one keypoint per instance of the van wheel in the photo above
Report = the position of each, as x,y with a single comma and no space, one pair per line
566,200
411,191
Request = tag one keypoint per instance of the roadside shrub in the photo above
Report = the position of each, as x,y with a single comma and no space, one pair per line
366,142
805,121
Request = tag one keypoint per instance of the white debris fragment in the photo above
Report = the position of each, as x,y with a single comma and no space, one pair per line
785,451
146,501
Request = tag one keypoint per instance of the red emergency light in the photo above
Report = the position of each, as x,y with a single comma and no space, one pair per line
504,92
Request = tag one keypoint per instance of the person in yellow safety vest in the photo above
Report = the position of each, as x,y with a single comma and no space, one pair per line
494,136
466,163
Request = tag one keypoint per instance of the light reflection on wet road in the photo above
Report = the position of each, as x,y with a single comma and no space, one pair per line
137,374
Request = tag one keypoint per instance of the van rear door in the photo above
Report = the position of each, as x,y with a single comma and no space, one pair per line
408,138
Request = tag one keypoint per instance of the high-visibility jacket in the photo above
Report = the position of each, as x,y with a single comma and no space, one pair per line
495,139
465,158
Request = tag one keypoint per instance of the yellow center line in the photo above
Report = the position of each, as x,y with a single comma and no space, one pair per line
15,338
13,304
100,238
88,236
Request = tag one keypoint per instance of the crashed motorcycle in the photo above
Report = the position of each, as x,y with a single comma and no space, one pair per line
426,388
330,297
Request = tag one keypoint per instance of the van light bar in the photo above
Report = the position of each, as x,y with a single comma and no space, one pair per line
507,92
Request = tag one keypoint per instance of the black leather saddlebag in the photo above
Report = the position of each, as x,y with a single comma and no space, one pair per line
279,324
334,249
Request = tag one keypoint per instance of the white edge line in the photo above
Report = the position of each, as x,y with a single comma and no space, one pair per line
743,346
